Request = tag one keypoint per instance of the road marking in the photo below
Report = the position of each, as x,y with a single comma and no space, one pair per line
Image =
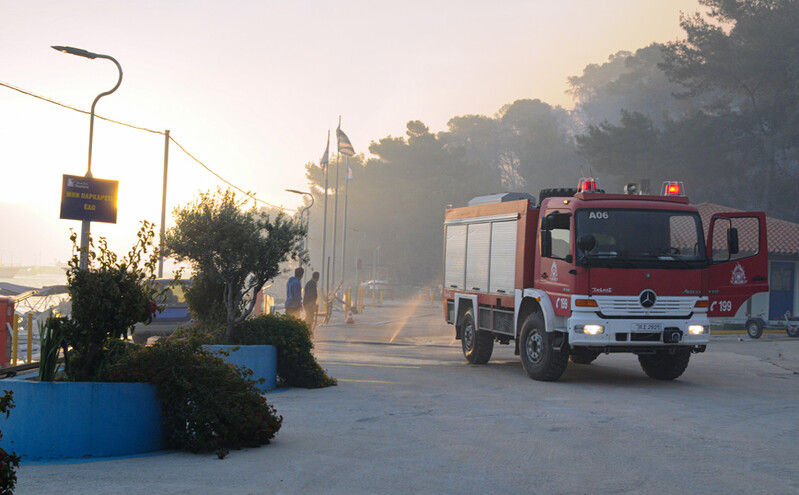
370,365
372,381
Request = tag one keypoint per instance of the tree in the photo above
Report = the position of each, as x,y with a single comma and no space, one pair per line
397,201
631,149
745,53
536,135
242,249
633,82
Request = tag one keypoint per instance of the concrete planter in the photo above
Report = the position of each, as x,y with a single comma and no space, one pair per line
56,420
261,359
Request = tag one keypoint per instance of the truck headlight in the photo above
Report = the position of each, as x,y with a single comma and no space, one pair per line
590,329
696,329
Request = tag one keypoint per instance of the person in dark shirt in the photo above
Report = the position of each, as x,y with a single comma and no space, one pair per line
294,294
309,299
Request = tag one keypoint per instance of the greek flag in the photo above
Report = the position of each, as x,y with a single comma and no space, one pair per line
344,145
324,161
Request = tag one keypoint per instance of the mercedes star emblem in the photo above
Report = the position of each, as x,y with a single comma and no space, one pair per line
647,298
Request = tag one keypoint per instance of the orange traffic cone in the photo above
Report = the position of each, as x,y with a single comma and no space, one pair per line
349,321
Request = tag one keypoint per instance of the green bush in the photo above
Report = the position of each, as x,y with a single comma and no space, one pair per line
109,297
51,338
296,366
8,462
207,404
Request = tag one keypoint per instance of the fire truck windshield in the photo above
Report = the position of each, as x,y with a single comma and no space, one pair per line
639,238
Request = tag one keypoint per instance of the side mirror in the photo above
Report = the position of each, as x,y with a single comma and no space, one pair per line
547,221
586,242
732,240
546,244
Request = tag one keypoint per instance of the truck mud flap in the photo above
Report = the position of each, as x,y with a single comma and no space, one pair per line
560,341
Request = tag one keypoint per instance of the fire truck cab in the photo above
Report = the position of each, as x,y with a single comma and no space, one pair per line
586,272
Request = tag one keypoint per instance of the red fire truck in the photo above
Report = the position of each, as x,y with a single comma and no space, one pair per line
586,273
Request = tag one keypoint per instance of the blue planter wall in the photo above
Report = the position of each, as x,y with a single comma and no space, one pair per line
55,420
261,359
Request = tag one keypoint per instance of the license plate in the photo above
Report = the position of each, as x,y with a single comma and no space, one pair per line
647,327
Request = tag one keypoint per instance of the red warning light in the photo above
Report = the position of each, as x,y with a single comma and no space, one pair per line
673,188
588,185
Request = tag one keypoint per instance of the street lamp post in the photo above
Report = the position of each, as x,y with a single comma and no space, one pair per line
85,224
302,212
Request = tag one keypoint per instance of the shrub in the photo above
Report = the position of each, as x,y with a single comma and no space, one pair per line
296,366
108,297
207,404
8,462
51,338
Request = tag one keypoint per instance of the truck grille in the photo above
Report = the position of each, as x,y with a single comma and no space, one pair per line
620,306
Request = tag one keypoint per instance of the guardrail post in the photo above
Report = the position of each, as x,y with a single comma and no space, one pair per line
30,337
14,340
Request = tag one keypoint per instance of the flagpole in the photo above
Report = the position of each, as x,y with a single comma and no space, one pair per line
344,238
324,281
335,209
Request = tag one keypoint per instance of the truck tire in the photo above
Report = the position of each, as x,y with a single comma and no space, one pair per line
792,331
754,328
664,365
584,357
477,344
560,192
539,359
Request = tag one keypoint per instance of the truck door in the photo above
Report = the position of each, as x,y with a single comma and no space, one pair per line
737,246
556,264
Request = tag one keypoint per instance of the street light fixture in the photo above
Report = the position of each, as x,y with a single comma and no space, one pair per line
85,225
302,212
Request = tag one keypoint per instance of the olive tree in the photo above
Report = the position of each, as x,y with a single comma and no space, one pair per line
240,248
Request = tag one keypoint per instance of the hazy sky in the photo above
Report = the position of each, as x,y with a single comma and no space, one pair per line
251,88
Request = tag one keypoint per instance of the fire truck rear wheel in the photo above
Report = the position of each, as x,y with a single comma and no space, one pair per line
754,329
539,359
665,366
477,344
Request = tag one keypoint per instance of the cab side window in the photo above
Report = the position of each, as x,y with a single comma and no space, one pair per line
557,228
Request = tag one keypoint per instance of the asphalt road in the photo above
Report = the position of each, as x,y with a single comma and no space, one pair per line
410,416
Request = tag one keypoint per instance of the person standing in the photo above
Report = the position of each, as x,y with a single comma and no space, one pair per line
294,294
309,299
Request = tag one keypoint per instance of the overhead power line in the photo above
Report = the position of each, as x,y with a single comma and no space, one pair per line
139,128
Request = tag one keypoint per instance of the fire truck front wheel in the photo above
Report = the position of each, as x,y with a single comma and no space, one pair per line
540,359
664,365
477,344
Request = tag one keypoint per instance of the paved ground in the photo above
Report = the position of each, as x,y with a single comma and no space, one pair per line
413,417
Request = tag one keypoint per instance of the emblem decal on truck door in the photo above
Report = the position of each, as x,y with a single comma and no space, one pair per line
553,273
738,275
